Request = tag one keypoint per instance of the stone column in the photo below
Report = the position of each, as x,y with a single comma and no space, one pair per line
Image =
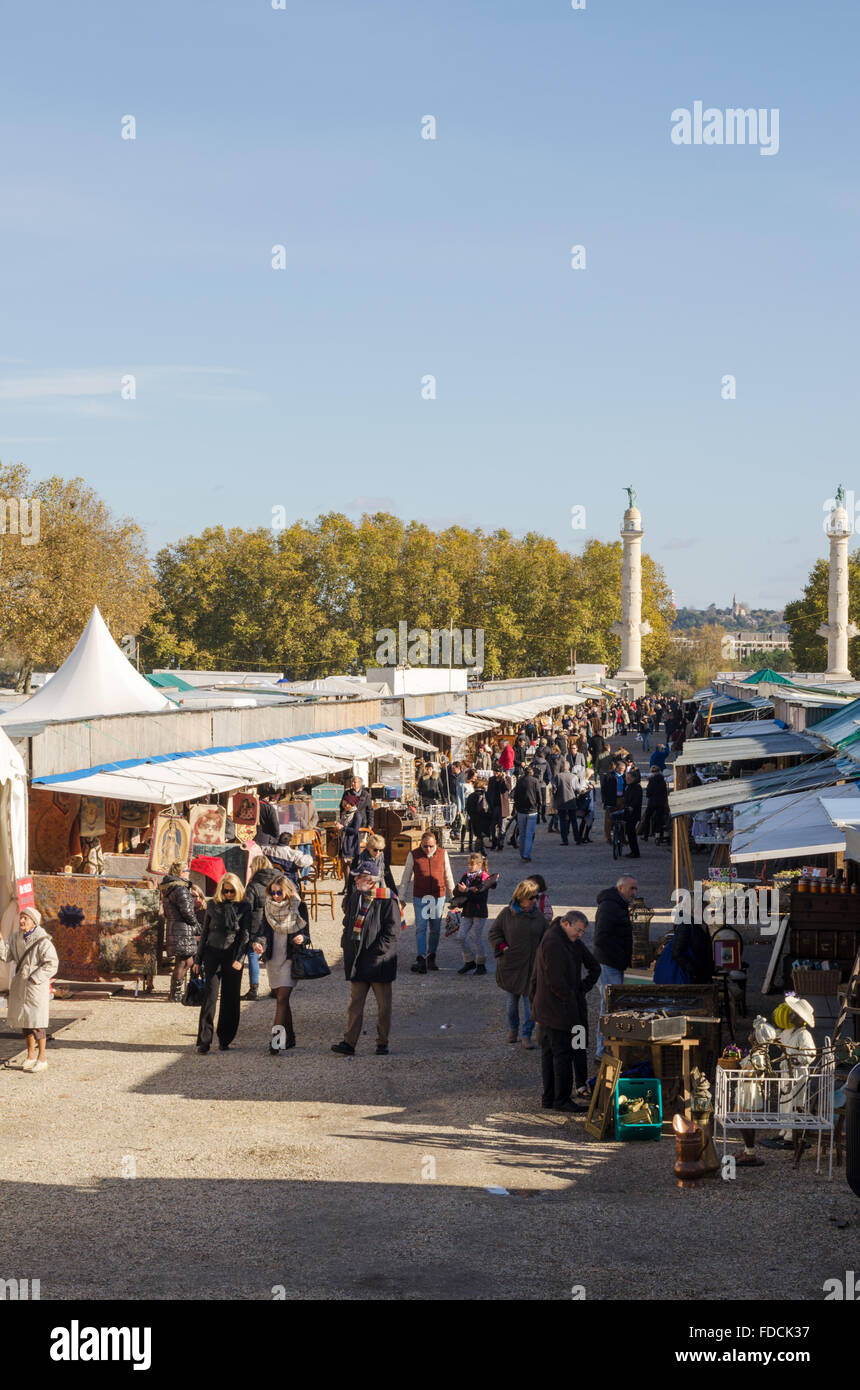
838,629
631,629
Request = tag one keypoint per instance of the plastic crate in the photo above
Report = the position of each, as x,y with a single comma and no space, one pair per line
632,1087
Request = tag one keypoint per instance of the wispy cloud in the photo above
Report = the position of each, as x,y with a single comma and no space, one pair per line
370,505
61,386
680,543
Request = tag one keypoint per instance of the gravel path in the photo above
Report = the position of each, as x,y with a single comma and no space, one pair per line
135,1168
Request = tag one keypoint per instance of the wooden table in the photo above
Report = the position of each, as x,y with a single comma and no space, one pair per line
615,1047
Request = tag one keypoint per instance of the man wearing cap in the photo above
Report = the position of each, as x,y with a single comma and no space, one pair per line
36,963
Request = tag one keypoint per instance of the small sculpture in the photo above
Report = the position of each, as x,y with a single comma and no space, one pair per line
631,497
840,496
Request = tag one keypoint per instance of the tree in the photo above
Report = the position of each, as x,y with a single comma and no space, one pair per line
312,598
81,555
804,615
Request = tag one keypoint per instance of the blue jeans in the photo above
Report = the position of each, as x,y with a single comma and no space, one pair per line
428,911
253,968
609,975
461,796
526,824
646,741
514,1014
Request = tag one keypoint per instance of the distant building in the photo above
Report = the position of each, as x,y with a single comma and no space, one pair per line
737,646
739,610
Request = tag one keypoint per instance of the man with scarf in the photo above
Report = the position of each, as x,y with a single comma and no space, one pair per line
373,920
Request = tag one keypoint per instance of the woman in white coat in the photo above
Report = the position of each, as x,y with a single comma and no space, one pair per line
32,952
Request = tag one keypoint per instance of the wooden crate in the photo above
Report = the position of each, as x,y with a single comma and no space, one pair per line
402,845
700,1004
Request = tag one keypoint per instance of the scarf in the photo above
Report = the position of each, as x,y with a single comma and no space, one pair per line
365,899
281,916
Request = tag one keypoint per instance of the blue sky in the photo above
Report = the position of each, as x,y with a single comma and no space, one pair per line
404,257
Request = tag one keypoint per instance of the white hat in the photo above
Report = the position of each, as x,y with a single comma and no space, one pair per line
802,1008
33,914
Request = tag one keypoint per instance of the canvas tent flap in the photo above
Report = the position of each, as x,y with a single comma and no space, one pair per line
744,727
825,772
744,748
788,827
528,709
94,680
453,725
842,724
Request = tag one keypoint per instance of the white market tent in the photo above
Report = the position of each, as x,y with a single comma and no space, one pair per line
528,709
165,778
788,827
13,838
452,725
95,679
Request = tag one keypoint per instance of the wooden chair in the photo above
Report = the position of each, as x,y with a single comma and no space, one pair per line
312,893
325,864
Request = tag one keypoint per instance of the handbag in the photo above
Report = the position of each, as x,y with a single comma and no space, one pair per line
309,963
195,991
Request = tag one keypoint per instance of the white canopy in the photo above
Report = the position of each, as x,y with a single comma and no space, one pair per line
95,679
743,728
527,709
453,725
170,777
787,827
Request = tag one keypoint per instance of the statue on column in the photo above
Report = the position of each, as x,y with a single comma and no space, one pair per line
631,497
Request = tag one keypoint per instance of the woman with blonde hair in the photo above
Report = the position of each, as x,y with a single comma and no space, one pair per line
261,874
515,936
221,955
284,927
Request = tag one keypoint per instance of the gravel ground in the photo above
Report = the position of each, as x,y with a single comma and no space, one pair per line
135,1168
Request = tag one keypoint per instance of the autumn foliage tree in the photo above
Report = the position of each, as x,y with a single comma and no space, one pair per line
310,599
77,554
804,615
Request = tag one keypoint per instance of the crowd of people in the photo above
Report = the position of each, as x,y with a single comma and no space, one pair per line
543,774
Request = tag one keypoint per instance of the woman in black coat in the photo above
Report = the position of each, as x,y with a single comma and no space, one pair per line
284,929
221,955
371,929
262,874
565,970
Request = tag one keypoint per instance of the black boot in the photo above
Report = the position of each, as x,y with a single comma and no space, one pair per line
431,961
420,966
252,993
466,967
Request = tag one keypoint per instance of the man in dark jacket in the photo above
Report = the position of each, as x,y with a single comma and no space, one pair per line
633,810
269,827
613,938
372,924
540,768
566,787
559,1006
526,805
656,806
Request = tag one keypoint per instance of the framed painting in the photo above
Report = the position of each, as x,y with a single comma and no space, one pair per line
128,929
208,824
171,841
600,1109
92,816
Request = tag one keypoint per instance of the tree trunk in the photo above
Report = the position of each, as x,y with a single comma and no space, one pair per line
22,684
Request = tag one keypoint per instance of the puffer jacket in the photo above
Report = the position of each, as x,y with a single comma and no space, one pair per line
182,926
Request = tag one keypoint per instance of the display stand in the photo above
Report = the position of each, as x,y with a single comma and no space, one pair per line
750,1100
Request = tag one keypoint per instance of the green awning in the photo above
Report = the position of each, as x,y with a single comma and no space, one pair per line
162,680
766,677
